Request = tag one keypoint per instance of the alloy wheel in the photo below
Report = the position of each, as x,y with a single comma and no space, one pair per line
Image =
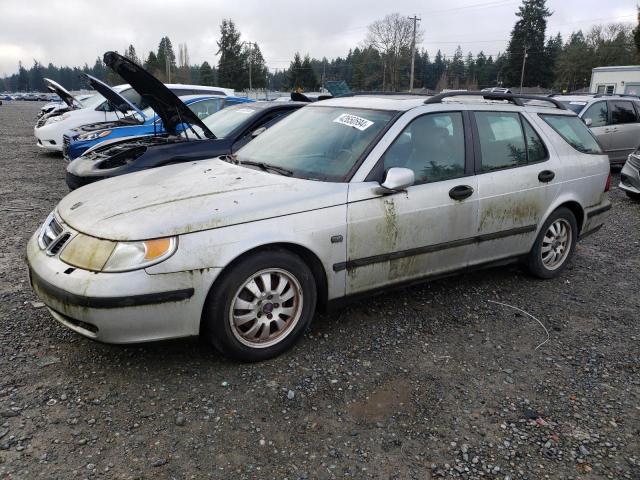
556,244
266,308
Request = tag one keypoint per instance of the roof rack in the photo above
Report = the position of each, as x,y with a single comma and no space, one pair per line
355,94
514,98
601,95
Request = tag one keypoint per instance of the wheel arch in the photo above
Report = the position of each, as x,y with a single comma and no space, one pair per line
577,211
308,257
573,205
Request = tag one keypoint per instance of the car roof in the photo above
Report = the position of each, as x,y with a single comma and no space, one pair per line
405,102
376,102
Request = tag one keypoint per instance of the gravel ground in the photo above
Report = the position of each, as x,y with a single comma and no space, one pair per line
426,382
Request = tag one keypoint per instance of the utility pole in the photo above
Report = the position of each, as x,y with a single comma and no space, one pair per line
251,44
524,62
413,50
167,63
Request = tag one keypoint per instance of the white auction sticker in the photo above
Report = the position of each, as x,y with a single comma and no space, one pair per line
354,121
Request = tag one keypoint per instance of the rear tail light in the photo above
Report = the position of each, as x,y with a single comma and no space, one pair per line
607,185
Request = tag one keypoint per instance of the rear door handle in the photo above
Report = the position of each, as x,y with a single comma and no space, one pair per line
546,176
461,192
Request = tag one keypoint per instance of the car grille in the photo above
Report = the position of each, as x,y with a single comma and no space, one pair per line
65,146
41,122
634,161
52,236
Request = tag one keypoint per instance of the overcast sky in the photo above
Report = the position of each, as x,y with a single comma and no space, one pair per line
72,32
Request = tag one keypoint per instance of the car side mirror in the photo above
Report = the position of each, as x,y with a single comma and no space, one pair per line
258,131
396,180
588,122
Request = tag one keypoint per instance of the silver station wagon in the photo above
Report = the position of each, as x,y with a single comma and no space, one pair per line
342,197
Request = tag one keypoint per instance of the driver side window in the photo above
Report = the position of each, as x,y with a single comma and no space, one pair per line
432,146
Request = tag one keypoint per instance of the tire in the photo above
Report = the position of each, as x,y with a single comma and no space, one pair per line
633,196
550,263
286,311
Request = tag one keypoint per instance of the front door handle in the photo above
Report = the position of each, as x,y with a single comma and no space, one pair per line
546,176
461,192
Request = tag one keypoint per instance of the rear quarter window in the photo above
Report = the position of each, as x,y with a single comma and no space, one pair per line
574,132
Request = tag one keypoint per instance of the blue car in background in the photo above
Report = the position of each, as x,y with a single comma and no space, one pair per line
78,140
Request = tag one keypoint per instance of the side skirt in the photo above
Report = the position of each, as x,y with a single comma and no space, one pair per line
341,302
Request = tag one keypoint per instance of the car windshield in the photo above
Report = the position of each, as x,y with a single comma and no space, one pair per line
573,105
322,143
223,122
93,101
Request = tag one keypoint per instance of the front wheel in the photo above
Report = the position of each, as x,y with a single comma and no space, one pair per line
261,306
555,245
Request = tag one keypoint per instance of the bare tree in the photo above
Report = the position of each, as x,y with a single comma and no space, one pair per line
184,71
392,37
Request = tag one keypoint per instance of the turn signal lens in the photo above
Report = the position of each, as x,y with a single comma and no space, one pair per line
156,248
607,185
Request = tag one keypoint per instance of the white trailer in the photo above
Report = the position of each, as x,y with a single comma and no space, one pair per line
616,80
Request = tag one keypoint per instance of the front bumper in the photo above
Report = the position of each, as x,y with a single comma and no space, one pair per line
630,175
45,140
126,307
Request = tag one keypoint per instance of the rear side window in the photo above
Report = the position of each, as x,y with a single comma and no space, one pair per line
536,151
502,142
597,113
622,112
574,132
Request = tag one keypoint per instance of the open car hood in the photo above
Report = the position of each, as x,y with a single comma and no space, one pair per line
118,101
164,102
63,93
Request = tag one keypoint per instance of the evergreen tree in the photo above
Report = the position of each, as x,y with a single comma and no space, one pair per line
295,73
259,70
23,78
308,77
439,67
456,69
99,69
528,33
151,64
231,65
36,77
206,74
552,50
166,60
130,53
636,35
470,72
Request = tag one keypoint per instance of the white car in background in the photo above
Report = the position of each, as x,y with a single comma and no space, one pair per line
111,104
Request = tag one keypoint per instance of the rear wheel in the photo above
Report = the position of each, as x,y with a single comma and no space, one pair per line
261,306
555,244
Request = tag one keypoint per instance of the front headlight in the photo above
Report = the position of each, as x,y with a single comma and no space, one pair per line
93,135
135,255
98,255
57,118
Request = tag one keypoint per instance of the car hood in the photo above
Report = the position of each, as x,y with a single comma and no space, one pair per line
118,101
63,93
164,102
184,198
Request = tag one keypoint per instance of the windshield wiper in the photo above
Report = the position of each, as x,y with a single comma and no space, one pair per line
267,167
